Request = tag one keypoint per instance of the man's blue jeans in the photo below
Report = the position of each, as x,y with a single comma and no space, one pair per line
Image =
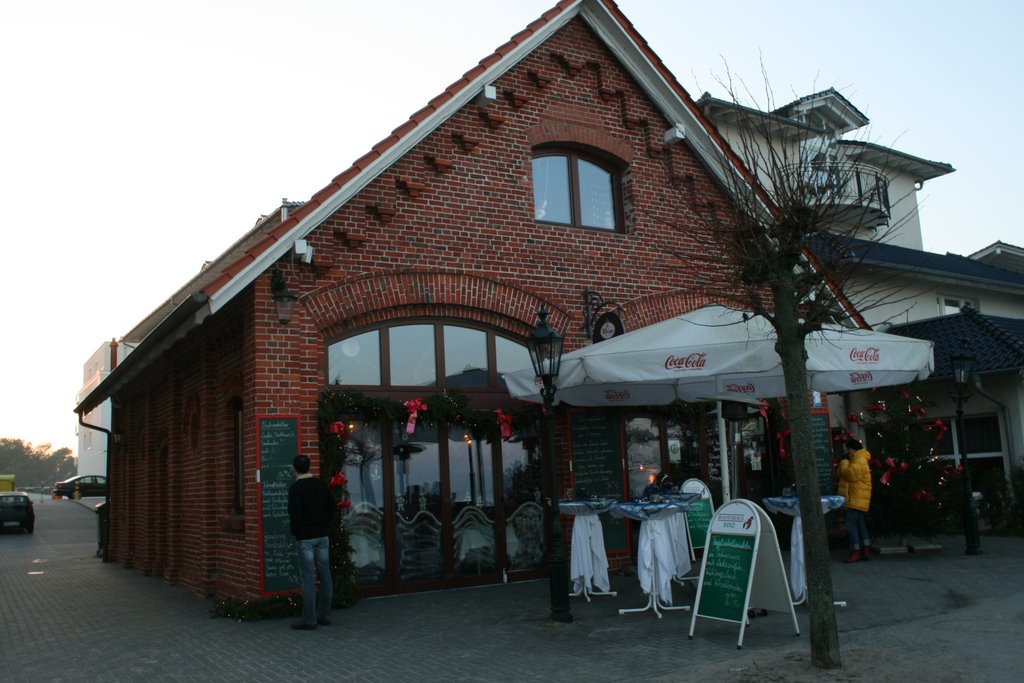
315,552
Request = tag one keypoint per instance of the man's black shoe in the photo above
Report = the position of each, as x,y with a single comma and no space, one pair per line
300,626
324,622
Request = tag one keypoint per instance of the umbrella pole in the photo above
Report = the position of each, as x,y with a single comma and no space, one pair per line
723,455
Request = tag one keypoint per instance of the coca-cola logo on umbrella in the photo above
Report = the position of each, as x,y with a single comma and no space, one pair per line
868,355
747,388
694,361
612,395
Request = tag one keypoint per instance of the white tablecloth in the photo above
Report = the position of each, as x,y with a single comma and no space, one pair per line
790,505
659,543
588,562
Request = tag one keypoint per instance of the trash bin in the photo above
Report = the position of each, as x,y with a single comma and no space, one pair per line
101,527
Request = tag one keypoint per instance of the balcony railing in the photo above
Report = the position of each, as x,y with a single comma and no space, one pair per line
859,193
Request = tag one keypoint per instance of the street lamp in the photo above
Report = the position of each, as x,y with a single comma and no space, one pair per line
963,366
545,345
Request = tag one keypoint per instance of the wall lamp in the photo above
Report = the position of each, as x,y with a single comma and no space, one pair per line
284,300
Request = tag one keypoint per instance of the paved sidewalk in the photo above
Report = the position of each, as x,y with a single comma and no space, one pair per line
68,616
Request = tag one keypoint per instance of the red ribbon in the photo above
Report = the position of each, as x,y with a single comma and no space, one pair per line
780,438
414,406
505,424
338,480
887,475
875,408
339,428
853,419
342,504
922,495
763,409
941,427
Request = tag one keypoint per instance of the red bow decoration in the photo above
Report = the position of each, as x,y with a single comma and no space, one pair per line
342,504
414,406
941,427
780,438
763,409
339,428
922,495
338,480
875,408
853,419
887,475
505,424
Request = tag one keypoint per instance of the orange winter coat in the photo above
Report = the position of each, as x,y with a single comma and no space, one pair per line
855,480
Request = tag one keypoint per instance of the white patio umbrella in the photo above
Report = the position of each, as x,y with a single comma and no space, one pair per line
719,353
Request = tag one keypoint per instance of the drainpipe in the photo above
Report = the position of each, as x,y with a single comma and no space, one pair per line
1006,420
106,500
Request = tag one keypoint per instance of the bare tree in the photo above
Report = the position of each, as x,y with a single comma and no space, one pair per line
799,221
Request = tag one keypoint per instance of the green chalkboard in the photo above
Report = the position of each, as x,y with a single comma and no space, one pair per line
597,468
822,439
698,519
278,442
726,577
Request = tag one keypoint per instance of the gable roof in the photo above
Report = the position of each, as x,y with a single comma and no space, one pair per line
997,342
234,270
1002,254
834,109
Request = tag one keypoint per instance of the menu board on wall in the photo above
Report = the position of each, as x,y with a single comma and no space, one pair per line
822,439
597,468
277,438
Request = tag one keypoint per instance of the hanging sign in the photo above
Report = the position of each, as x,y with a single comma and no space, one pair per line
742,565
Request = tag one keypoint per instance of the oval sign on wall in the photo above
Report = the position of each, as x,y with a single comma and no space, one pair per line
608,325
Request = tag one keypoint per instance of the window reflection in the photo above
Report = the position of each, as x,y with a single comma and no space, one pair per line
355,360
417,503
524,516
597,198
511,356
643,453
413,362
551,194
472,491
365,519
465,357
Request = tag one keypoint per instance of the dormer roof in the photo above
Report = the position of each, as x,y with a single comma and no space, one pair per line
827,110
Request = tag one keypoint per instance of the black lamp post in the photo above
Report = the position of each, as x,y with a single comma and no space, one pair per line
963,365
545,346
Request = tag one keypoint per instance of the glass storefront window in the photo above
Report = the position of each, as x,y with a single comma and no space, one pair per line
355,360
643,454
417,499
465,357
413,362
524,514
365,519
511,356
471,478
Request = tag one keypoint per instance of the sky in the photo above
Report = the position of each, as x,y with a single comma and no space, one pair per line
140,139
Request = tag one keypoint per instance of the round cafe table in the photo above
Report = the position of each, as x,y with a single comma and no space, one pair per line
588,562
656,558
790,505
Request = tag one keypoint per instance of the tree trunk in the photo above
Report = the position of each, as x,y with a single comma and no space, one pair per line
824,634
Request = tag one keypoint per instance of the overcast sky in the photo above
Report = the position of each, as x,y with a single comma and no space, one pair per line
140,138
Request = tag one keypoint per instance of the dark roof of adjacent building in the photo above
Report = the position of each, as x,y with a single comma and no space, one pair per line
926,263
997,342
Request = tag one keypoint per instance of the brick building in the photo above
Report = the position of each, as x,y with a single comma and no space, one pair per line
568,161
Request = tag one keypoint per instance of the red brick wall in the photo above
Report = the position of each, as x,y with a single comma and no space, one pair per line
463,244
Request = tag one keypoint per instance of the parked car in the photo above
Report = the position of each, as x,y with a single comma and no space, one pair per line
16,510
85,485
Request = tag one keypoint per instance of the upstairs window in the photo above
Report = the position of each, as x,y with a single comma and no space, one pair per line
951,305
572,188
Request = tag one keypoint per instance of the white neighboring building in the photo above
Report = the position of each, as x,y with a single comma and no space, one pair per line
92,444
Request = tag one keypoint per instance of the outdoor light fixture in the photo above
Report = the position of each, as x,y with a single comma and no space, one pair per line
545,345
963,367
284,300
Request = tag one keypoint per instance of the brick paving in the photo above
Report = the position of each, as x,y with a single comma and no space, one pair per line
68,616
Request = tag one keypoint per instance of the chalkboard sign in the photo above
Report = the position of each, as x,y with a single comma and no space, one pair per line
822,438
698,519
726,576
278,442
597,468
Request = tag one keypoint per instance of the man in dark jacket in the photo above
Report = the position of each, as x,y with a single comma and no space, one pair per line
311,509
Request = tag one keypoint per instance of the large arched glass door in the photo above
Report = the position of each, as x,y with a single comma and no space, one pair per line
441,505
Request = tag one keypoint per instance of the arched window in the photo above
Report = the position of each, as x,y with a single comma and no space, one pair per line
571,187
424,354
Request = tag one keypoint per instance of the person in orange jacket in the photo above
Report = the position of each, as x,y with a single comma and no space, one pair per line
855,486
